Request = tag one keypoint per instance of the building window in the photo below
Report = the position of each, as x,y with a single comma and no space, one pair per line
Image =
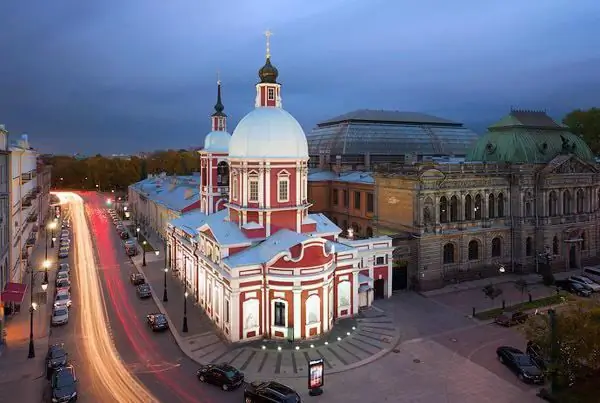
468,208
226,313
344,296
453,209
555,246
580,199
222,174
357,200
380,260
491,206
346,198
552,205
234,191
279,314
527,209
477,208
567,203
443,209
253,189
335,197
271,94
283,194
370,203
313,309
448,253
473,250
500,203
496,247
528,246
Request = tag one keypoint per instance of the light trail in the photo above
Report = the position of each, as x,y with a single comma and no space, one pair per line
100,353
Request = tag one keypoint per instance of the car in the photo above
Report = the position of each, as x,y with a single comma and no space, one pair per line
124,235
61,275
63,285
222,375
131,251
587,282
271,392
121,228
60,316
63,267
137,278
511,318
521,364
56,357
65,243
64,233
63,252
129,242
157,321
62,238
144,291
63,298
64,384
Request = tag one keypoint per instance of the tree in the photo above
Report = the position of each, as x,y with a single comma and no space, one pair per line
492,292
577,341
586,124
522,286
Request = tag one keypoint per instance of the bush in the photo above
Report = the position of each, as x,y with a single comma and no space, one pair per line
548,279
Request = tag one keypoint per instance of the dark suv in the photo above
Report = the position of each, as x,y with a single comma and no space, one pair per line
64,385
56,358
270,392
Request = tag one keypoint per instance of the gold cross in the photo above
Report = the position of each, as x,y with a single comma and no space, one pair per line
218,78
268,36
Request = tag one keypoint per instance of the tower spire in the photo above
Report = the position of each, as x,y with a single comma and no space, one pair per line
218,117
268,36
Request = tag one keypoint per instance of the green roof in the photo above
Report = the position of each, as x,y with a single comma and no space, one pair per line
527,137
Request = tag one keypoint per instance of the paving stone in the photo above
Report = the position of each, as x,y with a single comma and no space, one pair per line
211,353
268,366
286,367
354,351
242,358
330,359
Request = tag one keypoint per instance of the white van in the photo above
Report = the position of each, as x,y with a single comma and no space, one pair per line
593,273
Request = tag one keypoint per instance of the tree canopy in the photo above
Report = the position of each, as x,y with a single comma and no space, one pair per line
586,124
118,173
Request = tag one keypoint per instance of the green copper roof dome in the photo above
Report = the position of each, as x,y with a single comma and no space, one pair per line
528,137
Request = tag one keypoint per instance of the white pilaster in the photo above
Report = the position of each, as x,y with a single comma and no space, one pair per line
268,184
234,303
268,226
325,307
355,286
297,307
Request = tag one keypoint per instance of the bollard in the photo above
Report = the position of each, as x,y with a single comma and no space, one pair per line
530,298
473,311
503,304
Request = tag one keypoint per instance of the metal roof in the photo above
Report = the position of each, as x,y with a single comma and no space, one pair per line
382,116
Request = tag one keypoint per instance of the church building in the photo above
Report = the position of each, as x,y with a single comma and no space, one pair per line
252,256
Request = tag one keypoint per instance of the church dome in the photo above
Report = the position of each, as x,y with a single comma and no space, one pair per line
217,142
268,133
268,73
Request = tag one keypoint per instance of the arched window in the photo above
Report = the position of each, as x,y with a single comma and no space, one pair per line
222,174
449,253
453,209
528,246
500,203
344,295
468,207
555,246
496,247
427,211
567,203
580,200
491,206
583,245
313,309
552,205
443,209
473,250
477,209
527,209
369,232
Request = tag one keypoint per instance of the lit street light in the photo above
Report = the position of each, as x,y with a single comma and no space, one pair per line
137,232
52,226
165,296
32,308
144,253
185,325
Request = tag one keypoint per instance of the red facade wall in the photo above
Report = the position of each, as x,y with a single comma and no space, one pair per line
195,205
274,177
313,256
283,219
380,271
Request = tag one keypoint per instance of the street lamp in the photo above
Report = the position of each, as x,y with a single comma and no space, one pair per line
51,225
144,254
45,282
165,296
32,308
185,325
137,232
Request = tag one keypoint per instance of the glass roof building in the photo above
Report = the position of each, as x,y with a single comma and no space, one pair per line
373,136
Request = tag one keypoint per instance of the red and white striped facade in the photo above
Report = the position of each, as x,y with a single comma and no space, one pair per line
264,267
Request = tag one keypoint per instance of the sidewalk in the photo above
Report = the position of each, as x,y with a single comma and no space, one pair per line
352,342
23,379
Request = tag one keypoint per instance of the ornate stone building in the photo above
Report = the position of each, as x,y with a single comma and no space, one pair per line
528,193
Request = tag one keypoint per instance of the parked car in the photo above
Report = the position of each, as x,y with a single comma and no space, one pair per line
521,364
124,235
63,285
64,384
157,321
63,252
131,251
511,318
62,299
130,243
65,243
61,275
587,282
137,279
573,287
64,233
144,291
223,375
60,316
63,267
56,357
270,391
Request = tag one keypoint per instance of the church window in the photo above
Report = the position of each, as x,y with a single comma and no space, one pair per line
500,205
271,94
279,314
473,250
580,200
491,206
448,253
226,311
253,189
283,194
496,247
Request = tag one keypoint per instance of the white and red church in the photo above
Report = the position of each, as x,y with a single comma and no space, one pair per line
252,256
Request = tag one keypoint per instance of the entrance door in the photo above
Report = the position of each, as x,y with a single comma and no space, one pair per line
379,286
399,278
573,257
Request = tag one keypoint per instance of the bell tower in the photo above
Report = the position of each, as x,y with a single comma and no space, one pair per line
268,90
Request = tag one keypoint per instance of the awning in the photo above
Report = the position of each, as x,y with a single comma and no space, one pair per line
18,287
363,288
12,296
364,279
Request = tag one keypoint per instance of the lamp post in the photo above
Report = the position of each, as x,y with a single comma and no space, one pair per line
32,308
166,269
137,233
144,253
45,281
52,226
185,325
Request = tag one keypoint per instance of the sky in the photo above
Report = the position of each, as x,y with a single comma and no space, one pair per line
116,76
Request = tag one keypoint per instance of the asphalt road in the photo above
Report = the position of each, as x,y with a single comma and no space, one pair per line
153,358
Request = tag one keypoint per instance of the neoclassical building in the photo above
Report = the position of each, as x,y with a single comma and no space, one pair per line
253,257
529,190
